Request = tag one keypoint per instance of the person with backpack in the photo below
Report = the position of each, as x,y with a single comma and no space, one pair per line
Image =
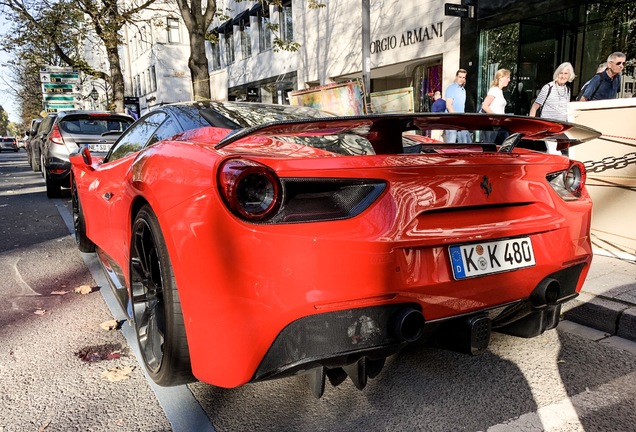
601,67
606,84
552,101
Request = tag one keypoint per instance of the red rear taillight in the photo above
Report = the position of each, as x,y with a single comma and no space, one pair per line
569,183
55,136
251,190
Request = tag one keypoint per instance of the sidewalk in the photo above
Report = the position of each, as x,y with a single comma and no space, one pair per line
608,299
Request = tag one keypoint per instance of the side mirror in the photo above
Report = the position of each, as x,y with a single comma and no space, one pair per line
86,155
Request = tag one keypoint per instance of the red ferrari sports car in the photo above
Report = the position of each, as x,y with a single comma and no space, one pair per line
250,242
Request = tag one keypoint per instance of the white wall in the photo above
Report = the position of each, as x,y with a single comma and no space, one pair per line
331,37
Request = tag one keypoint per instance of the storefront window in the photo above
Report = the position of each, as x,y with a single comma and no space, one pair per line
533,48
499,49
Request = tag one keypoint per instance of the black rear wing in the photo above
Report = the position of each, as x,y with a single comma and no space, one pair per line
386,129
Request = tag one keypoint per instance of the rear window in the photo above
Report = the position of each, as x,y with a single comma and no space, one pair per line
93,126
8,140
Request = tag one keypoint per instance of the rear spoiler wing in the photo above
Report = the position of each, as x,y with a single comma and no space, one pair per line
376,127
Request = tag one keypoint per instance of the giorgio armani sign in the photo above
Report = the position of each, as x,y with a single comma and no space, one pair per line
409,37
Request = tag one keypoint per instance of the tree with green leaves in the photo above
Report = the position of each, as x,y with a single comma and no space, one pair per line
57,21
4,121
198,16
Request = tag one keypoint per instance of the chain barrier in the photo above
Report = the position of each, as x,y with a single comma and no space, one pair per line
610,162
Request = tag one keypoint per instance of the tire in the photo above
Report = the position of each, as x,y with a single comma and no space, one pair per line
156,306
53,188
35,162
84,244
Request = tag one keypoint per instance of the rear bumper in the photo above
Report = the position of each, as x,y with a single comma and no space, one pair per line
59,171
336,339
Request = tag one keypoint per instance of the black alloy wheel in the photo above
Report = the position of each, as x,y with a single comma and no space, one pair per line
156,306
84,244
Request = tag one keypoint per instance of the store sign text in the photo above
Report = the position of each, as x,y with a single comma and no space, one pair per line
407,38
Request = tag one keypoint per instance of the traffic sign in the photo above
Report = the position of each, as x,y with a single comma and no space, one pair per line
60,88
59,78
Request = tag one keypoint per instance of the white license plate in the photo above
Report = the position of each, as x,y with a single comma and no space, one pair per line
480,259
98,147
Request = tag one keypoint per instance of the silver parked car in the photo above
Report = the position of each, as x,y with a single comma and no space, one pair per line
70,130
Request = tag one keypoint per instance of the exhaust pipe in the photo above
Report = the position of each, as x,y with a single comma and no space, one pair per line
547,293
407,324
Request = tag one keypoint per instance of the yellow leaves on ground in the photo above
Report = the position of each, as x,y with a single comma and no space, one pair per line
110,325
84,289
118,373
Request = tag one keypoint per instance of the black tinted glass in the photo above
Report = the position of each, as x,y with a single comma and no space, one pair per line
93,126
135,138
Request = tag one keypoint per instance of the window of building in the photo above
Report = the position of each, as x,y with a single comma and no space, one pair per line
216,56
246,39
264,33
173,30
138,85
153,78
286,26
143,83
229,48
149,82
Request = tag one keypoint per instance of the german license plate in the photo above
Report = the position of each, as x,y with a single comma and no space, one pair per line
98,147
480,259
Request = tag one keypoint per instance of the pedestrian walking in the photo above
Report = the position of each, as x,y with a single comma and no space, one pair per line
439,106
456,103
495,103
606,84
552,101
601,67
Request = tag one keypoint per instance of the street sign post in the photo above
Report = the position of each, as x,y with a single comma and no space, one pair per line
60,88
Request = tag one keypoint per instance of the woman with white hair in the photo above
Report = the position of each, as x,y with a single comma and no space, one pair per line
552,100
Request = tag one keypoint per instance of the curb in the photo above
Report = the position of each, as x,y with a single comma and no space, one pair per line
607,301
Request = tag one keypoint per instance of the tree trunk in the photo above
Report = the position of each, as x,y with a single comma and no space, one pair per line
116,80
199,71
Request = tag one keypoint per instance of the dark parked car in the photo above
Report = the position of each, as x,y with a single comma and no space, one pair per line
31,136
8,143
69,131
35,143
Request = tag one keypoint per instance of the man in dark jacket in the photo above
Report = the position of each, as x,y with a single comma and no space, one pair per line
607,84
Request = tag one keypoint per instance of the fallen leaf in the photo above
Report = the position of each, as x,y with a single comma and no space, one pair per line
40,311
110,325
59,292
84,289
117,373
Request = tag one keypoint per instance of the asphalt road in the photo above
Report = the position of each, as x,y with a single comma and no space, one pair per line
563,380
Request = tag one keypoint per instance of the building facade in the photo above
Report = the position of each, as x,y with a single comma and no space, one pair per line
411,41
415,44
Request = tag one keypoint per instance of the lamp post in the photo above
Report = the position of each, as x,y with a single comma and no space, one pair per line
94,94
